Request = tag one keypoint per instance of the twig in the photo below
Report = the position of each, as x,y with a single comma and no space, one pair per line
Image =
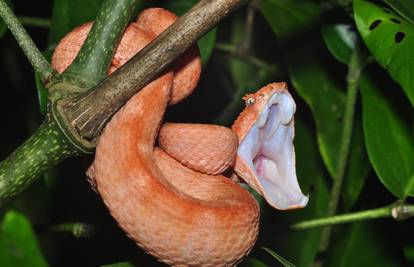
29,48
35,22
233,50
77,229
396,211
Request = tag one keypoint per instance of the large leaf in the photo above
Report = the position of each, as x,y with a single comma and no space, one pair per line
279,258
206,43
309,75
68,14
388,136
340,40
312,79
404,7
363,245
18,245
390,38
289,17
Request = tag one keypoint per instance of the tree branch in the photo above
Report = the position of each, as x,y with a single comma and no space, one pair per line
87,114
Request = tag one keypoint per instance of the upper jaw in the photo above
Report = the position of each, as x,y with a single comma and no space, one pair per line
266,156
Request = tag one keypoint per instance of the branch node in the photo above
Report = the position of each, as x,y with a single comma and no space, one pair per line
401,212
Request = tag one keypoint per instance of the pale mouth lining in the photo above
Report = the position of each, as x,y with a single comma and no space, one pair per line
268,150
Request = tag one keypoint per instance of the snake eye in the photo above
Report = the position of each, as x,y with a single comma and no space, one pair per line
250,101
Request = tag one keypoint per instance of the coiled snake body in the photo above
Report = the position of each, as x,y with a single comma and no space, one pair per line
183,216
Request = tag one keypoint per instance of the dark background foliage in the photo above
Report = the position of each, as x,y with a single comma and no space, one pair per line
61,221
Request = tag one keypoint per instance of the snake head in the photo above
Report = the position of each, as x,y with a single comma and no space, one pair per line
266,154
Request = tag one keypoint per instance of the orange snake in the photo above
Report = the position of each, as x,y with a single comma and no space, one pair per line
183,216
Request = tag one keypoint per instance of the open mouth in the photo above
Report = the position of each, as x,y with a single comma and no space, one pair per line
268,151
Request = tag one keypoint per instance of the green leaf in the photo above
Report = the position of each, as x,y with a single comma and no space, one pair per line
18,245
325,98
363,244
251,262
356,172
206,43
390,38
404,7
308,161
409,253
313,81
42,94
279,258
340,40
68,14
388,136
288,18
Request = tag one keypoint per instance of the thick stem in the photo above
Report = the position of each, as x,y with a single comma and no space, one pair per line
355,67
29,48
94,59
396,211
49,144
88,113
44,149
